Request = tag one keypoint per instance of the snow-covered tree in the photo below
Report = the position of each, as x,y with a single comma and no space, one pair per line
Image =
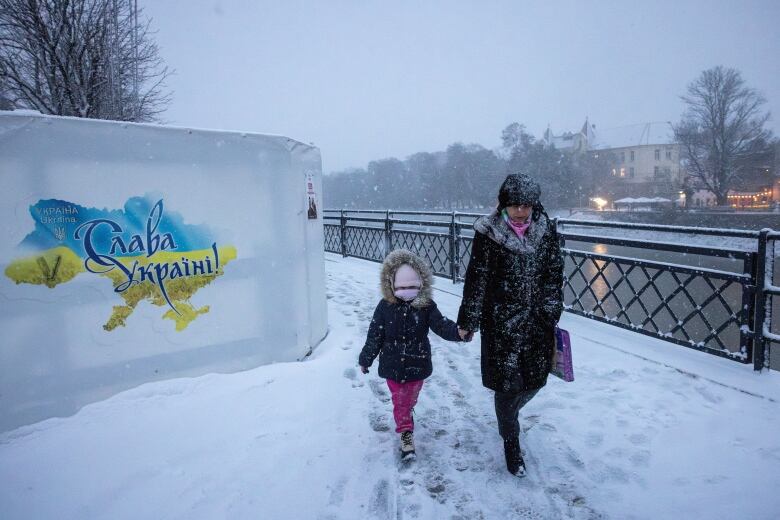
82,58
566,179
426,174
722,131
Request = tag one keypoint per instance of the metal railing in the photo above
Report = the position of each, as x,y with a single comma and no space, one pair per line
715,295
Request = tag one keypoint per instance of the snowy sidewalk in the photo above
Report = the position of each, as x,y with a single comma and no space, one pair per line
648,430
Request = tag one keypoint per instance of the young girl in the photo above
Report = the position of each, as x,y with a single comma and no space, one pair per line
399,336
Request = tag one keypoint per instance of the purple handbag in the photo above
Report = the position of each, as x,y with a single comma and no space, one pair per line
562,366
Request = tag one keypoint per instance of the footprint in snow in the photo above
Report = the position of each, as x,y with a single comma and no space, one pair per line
380,499
336,497
640,458
594,439
445,415
528,422
379,423
527,513
602,472
616,375
708,395
616,453
379,391
552,404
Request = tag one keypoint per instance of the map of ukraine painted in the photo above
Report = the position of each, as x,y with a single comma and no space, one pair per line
147,253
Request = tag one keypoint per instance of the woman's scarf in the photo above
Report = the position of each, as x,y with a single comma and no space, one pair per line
519,229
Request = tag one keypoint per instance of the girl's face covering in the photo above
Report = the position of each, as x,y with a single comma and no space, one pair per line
407,293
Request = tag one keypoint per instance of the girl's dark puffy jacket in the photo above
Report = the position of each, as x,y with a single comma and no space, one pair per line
398,333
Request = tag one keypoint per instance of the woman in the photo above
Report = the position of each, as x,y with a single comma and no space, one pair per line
513,294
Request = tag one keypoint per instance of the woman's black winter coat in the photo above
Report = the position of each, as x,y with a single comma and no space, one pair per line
513,295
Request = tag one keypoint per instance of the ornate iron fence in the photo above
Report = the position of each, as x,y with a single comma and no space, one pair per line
715,298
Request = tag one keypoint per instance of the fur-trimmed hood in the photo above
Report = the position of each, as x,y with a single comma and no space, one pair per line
496,228
391,264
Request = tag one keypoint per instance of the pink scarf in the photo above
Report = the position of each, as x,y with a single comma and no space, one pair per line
519,229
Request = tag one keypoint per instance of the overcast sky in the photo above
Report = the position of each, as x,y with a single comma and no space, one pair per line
365,80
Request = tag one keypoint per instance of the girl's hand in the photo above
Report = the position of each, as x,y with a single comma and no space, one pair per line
363,369
465,335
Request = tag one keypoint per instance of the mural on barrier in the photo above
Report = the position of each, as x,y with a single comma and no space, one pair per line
148,253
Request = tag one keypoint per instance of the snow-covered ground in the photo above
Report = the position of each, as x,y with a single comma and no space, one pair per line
647,430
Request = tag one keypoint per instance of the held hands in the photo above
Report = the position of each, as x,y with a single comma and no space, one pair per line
465,335
363,369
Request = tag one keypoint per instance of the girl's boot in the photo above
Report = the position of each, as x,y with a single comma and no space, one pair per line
407,445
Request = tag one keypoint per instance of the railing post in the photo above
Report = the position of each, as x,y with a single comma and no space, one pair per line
388,233
561,238
748,307
454,249
343,234
759,319
562,244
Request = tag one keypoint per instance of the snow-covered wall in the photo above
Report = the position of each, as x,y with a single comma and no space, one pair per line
132,253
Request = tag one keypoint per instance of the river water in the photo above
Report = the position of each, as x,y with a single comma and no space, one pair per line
706,309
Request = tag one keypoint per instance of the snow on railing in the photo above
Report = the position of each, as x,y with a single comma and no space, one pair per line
727,232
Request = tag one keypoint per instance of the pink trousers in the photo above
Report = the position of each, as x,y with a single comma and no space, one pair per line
404,399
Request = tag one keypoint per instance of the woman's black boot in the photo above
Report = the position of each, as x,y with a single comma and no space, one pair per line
514,457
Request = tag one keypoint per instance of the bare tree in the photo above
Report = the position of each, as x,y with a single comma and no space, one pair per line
82,58
722,131
5,103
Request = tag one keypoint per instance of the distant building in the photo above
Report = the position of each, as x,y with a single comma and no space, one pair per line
568,141
645,157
